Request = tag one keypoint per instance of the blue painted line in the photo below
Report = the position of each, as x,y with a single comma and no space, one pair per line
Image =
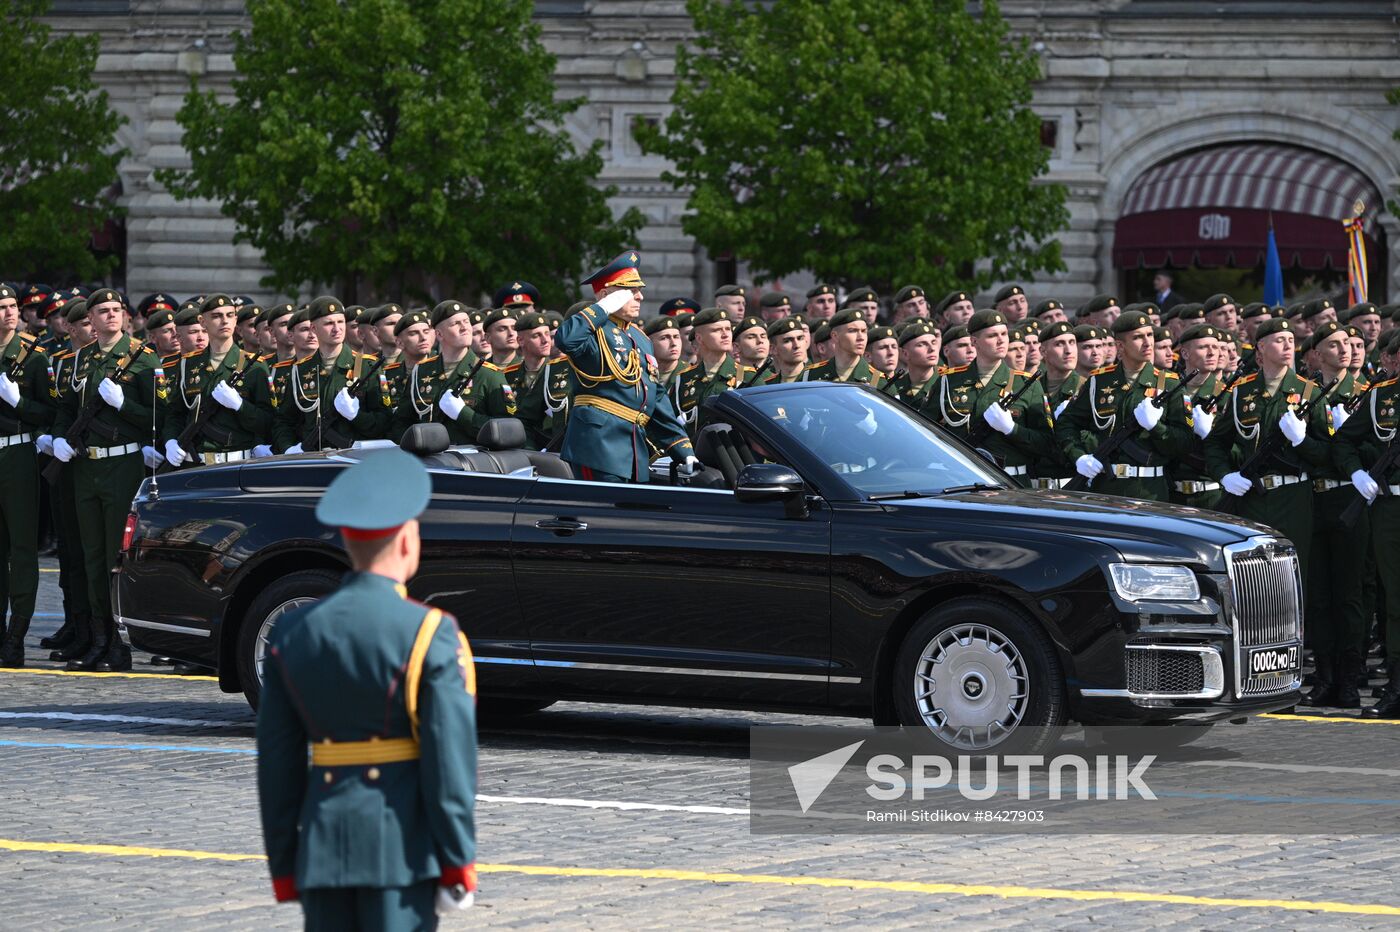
47,615
75,746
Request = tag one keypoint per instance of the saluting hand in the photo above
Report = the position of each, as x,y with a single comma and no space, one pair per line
226,395
111,393
9,391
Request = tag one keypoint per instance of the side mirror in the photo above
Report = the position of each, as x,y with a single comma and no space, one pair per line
772,482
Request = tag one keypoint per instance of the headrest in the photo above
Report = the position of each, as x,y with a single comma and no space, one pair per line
425,439
501,433
707,444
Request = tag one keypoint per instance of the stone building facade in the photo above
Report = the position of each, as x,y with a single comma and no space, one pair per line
1129,86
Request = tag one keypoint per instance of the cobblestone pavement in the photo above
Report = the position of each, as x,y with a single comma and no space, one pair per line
163,768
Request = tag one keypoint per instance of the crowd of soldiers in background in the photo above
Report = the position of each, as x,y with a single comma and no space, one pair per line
1278,414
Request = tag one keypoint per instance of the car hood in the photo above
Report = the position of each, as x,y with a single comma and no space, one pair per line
1139,530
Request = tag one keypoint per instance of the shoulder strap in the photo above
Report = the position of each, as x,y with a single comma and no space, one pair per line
416,659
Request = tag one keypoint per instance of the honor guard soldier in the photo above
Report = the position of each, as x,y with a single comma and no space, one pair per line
666,345
969,395
919,342
821,303
733,300
1012,304
121,382
26,411
955,310
1059,355
455,386
909,302
1116,396
773,305
715,370
750,346
789,339
1049,312
501,334
224,375
413,334
379,831
1191,485
540,381
618,407
850,332
882,352
286,429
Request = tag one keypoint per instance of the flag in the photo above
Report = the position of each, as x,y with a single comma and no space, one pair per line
1273,270
1356,256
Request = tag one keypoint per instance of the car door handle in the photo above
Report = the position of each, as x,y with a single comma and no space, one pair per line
561,525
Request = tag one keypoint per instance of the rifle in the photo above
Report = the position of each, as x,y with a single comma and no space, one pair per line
979,432
1354,402
1269,446
462,380
767,364
885,389
1124,433
85,417
1388,458
1210,404
208,407
14,368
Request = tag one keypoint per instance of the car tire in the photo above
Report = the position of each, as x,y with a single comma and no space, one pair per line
494,707
1002,689
291,591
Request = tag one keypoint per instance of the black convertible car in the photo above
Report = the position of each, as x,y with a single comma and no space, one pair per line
838,554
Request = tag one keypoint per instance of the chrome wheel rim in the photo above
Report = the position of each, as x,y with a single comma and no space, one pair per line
971,686
265,631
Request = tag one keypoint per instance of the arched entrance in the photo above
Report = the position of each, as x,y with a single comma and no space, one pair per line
1205,215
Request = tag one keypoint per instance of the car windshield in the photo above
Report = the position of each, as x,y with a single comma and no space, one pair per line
873,442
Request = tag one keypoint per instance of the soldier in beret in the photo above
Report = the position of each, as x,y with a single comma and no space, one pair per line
1200,351
1359,367
733,300
1015,348
919,343
882,352
193,337
821,348
481,344
1011,302
501,333
909,302
351,339
751,344
382,320
245,332
864,299
821,303
540,380
955,310
686,322
849,335
1163,352
1366,318
455,387
715,370
1060,352
1101,311
774,305
958,349
666,338
1049,312
789,340
278,318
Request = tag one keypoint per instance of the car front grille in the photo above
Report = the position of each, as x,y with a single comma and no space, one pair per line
1173,671
1266,607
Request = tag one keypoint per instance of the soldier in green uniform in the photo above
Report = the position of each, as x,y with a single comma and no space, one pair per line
715,370
1060,354
667,341
541,380
849,335
1258,405
954,310
1120,394
26,411
126,379
279,319
378,832
821,303
975,393
882,352
501,333
958,348
1199,349
751,343
1049,312
919,343
773,306
449,387
788,340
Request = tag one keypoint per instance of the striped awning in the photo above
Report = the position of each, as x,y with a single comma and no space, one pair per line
1213,207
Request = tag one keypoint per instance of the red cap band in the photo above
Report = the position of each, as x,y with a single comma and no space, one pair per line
355,533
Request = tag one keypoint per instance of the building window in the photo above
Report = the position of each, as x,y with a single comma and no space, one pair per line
1049,133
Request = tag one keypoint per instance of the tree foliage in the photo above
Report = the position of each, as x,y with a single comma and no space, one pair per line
871,141
412,146
58,152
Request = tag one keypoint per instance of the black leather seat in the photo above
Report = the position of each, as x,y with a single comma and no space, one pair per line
502,440
721,447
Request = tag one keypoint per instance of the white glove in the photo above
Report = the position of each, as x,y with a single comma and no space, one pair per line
1339,415
9,391
689,467
347,404
174,454
1060,408
226,395
1148,415
868,425
1088,466
294,448
613,303
261,450
1365,485
45,444
999,418
447,903
451,405
111,393
61,450
152,458
1294,429
1236,484
1201,422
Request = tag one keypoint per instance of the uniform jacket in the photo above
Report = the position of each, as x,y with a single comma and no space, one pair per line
143,387
697,386
1106,402
306,411
1364,436
826,371
191,384
962,396
542,398
487,395
1250,414
920,397
36,396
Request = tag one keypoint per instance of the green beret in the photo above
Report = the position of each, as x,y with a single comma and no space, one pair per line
1045,307
1149,308
1032,326
1323,331
710,315
355,314
1274,325
863,293
820,289
379,314
916,328
822,333
1099,302
956,332
300,316
478,317
496,315
774,299
880,333
7,292
1216,301
416,316
75,310
1191,312
1008,291
1387,311
1129,321
187,316
1160,333
729,291
984,319
554,319
446,310
1364,309
1309,311
247,312
908,293
324,306
786,325
161,318
1293,310
1089,332
530,320
105,296
751,323
213,301
1199,332
1015,334
1171,312
951,298
658,324
685,319
1354,332
849,315
1254,309
277,311
1058,329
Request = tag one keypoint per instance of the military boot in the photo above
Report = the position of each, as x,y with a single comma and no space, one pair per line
61,638
12,647
1348,663
118,656
1324,691
79,644
1389,706
97,648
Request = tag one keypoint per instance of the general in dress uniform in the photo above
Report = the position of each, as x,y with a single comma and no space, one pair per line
378,832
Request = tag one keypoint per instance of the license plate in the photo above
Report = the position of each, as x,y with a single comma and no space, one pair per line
1273,661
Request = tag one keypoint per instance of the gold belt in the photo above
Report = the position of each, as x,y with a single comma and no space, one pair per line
362,753
612,407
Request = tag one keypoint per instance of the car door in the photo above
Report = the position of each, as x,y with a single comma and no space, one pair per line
653,590
465,569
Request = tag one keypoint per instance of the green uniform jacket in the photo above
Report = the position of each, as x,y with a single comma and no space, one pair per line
143,387
487,395
774,377
1106,401
306,411
340,670
191,386
697,386
35,411
1326,468
284,432
542,398
918,397
962,396
1057,465
826,371
1249,414
1363,437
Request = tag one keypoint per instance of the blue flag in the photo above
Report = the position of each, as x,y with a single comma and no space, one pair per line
1273,272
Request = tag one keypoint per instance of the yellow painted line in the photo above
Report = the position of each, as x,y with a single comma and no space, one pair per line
121,676
844,883
45,569
1333,719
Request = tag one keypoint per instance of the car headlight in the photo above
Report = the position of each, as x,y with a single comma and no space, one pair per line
1148,582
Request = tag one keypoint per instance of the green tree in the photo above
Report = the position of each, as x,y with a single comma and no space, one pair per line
871,141
58,152
407,147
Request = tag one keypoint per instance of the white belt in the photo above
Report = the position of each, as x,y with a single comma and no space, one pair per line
1047,483
1124,471
1327,485
231,456
14,440
1195,488
1278,482
1014,470
102,453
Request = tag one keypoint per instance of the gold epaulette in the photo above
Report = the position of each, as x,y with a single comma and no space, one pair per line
307,358
1024,375
1172,375
267,357
1387,383
428,359
513,366
562,357
146,349
1244,379
397,363
285,362
367,357
191,355
956,369
68,354
1103,370
491,365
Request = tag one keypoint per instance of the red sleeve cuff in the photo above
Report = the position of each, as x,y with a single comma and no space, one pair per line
465,875
285,889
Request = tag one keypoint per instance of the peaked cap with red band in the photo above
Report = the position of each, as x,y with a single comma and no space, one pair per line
376,496
621,272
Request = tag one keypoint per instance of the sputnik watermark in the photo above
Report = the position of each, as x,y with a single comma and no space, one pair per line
980,778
